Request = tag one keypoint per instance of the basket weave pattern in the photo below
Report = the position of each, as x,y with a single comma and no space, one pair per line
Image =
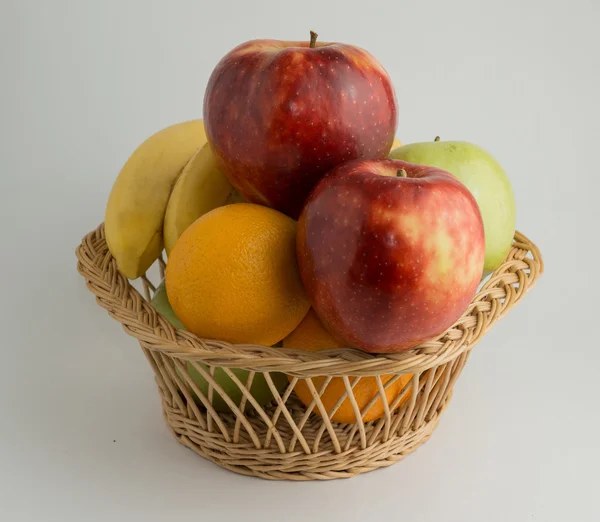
286,439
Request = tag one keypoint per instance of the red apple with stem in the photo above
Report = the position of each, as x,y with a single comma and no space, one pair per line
279,115
390,253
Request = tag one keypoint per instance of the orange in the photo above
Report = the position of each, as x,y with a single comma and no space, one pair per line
311,335
233,276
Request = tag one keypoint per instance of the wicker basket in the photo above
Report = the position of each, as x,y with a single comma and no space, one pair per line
285,439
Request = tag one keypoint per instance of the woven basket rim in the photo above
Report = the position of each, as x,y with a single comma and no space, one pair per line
114,292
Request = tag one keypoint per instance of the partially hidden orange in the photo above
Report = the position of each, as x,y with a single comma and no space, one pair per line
233,276
311,335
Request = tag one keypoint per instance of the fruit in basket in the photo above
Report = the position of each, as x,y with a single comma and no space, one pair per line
161,304
259,388
279,115
311,335
397,143
487,181
390,252
233,276
138,200
200,188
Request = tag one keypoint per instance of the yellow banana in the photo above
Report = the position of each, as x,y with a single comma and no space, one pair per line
397,143
138,200
200,188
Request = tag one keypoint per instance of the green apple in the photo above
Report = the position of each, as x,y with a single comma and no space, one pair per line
161,304
486,180
260,389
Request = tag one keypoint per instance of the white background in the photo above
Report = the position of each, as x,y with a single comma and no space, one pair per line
83,83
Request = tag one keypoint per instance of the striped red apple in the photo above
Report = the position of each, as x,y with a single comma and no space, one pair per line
390,253
279,115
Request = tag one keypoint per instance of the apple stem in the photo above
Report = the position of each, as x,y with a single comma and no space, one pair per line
401,173
437,138
313,39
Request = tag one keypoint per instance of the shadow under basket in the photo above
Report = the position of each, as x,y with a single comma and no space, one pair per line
285,439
